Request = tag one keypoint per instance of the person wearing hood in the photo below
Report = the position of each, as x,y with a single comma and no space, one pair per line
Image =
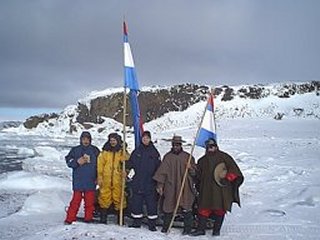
219,180
169,178
83,161
143,163
110,175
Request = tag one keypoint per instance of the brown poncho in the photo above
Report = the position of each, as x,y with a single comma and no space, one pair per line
170,175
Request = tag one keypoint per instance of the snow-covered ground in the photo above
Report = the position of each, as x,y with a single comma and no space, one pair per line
280,195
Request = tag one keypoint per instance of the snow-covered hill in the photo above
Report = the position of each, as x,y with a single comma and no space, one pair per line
182,106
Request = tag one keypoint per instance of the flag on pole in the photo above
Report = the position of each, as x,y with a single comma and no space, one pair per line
208,126
131,82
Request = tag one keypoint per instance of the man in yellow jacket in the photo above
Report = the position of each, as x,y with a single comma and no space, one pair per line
110,175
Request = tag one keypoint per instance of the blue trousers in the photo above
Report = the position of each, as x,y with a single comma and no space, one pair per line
151,201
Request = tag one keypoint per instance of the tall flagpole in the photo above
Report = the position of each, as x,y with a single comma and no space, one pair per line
124,154
186,169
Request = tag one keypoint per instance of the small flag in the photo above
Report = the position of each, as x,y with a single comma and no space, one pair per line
131,82
208,127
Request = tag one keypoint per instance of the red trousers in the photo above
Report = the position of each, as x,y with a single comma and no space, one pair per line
205,212
74,206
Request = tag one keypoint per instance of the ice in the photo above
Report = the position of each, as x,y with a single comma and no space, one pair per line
280,196
26,181
26,152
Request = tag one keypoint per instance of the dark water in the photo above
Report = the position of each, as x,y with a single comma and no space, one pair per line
11,158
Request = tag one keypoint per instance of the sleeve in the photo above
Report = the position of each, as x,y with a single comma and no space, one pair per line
130,162
157,160
101,164
97,151
70,159
125,157
161,174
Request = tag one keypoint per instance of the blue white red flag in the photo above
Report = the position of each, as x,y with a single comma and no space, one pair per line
131,82
208,126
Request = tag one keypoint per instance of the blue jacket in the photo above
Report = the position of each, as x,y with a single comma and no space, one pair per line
83,177
145,160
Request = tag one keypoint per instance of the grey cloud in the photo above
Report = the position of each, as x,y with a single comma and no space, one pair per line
54,52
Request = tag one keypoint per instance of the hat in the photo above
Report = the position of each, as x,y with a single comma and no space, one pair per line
115,136
219,174
211,141
146,133
85,134
177,139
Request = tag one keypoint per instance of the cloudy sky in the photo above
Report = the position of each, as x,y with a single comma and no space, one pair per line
53,52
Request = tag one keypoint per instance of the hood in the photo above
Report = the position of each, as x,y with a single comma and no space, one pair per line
107,146
85,134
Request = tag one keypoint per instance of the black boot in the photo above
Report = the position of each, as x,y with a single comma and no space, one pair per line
117,213
166,222
217,225
187,222
202,223
136,223
152,225
103,215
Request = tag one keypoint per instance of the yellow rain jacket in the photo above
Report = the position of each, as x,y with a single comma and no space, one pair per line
110,172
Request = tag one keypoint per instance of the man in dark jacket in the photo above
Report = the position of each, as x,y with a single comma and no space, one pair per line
142,164
169,177
83,161
219,180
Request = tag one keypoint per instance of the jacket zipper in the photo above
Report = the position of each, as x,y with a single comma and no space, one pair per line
112,169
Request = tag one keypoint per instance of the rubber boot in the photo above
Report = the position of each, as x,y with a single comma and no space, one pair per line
136,223
202,223
117,214
187,222
103,215
152,225
217,225
166,222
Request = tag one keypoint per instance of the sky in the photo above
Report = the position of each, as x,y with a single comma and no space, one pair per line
54,52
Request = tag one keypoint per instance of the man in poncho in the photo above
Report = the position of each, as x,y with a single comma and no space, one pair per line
219,180
169,177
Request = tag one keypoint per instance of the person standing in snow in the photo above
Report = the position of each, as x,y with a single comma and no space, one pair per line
83,161
110,175
219,181
143,163
169,178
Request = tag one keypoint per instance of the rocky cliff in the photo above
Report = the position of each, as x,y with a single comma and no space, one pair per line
155,102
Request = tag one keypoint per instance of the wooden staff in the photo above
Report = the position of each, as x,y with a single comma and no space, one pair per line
186,170
124,154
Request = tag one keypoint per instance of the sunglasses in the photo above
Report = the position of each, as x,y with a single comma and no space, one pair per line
212,146
176,144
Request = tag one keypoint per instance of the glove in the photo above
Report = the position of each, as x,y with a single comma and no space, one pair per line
160,190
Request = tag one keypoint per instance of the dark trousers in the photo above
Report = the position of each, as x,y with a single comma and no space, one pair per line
75,202
137,201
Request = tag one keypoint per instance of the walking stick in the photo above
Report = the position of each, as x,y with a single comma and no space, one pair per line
124,153
186,170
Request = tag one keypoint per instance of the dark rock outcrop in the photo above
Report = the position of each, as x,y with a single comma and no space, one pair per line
33,121
9,124
155,103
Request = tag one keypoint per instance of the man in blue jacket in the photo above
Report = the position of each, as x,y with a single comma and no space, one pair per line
83,161
142,164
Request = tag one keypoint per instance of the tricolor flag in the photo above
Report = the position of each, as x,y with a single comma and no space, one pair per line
131,82
208,126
